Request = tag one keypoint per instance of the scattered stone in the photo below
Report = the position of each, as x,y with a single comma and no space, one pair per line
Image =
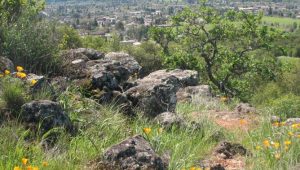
228,150
244,108
169,119
132,154
44,115
292,121
275,119
6,64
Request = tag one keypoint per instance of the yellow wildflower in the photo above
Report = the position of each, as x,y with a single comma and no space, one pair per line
29,167
193,168
298,136
276,145
160,130
21,75
224,99
20,69
147,131
24,161
243,121
33,82
266,143
276,124
290,133
17,168
35,168
295,126
258,148
6,72
287,142
282,124
286,148
277,156
45,163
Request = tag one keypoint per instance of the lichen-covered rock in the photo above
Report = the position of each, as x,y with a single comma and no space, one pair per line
154,97
227,150
186,94
119,99
244,108
291,121
156,93
134,153
43,115
6,64
185,77
113,70
90,53
169,119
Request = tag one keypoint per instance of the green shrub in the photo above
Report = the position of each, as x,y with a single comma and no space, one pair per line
264,95
148,54
13,94
287,106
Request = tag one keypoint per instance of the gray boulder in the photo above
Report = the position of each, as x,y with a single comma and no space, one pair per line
112,71
44,115
134,153
186,94
292,121
6,63
156,93
169,119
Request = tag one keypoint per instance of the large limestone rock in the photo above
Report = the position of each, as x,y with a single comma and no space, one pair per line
43,115
156,93
185,77
6,63
134,153
113,70
105,71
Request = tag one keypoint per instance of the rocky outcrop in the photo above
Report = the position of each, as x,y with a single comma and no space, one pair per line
6,64
169,119
134,153
156,93
186,94
44,115
112,71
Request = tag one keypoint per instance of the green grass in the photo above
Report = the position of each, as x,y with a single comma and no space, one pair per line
103,126
282,21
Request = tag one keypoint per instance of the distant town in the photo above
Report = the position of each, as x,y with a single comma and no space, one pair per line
130,20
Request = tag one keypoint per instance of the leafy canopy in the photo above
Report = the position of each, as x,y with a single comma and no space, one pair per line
232,48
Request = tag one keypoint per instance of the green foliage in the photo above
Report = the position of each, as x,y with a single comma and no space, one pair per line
287,106
12,93
32,44
69,37
226,44
94,42
147,55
